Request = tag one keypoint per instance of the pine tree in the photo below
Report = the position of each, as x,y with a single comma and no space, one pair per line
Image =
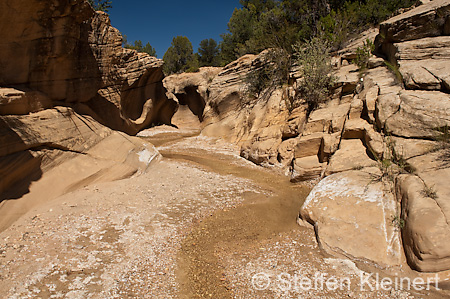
208,53
102,5
180,57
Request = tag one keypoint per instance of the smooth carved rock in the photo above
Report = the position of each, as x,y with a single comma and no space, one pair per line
132,95
31,146
191,90
352,216
46,48
426,233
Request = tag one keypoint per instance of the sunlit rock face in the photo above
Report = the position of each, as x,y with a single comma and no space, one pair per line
72,55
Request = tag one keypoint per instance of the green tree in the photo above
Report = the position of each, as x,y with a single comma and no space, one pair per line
208,53
180,57
138,46
260,25
315,63
149,50
264,24
102,5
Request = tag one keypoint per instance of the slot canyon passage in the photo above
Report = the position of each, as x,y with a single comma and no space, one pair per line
118,181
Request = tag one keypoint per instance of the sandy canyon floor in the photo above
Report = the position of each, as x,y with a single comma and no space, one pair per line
201,223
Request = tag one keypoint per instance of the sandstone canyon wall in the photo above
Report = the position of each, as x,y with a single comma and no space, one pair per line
65,82
379,148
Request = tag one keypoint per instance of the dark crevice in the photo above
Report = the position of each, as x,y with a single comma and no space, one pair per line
192,98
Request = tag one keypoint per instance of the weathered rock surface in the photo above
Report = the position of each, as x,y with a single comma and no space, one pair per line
352,154
420,113
426,221
426,20
69,53
14,101
352,216
190,90
417,42
398,131
46,154
371,130
61,62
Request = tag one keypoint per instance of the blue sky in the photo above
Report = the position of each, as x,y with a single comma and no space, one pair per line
157,22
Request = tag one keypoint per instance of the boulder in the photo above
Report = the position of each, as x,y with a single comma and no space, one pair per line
409,148
426,232
352,216
263,147
420,113
352,154
417,76
370,97
307,168
329,119
308,145
347,77
295,123
426,20
387,105
286,151
360,129
422,49
330,145
355,129
356,108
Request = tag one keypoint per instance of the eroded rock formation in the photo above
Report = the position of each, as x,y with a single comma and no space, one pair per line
72,56
190,91
379,147
401,119
64,75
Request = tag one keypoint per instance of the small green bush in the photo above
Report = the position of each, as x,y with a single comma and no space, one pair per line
363,54
395,70
314,59
429,192
269,73
398,222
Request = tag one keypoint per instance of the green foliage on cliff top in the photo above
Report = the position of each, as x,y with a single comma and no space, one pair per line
138,46
180,57
102,5
208,53
263,24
